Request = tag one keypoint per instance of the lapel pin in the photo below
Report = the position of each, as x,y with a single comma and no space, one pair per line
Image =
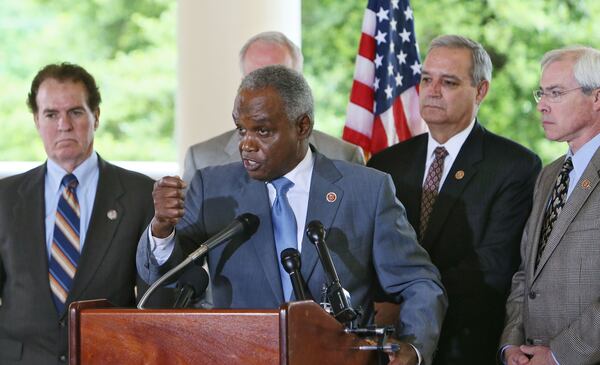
586,184
459,175
331,197
112,214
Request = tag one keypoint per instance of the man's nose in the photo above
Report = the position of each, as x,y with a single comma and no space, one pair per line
248,142
64,122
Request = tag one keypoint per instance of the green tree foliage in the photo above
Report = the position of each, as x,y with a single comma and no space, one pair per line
516,33
128,45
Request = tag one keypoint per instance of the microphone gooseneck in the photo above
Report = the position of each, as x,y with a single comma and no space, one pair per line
242,226
342,310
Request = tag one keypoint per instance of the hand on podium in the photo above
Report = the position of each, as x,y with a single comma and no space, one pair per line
405,355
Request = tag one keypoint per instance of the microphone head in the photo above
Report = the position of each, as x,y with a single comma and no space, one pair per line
290,260
196,277
315,231
250,223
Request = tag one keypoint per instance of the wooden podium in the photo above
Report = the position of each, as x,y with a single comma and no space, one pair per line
297,333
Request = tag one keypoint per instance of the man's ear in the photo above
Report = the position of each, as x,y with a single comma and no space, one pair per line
596,99
304,126
482,90
36,120
96,118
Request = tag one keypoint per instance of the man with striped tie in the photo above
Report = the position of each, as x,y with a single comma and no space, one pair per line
69,226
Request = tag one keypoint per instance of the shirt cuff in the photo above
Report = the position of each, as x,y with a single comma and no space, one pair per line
419,357
554,357
161,248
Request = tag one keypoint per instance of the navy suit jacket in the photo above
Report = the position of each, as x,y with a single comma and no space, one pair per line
473,233
370,240
31,331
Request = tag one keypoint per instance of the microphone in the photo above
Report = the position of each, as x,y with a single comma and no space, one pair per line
191,285
337,298
242,226
290,260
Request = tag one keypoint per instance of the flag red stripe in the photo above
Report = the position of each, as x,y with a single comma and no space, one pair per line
400,120
362,95
367,46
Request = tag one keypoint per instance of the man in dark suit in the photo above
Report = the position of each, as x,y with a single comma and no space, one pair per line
372,245
468,201
63,242
264,49
553,311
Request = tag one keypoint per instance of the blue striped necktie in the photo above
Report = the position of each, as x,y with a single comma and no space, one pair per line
284,229
65,248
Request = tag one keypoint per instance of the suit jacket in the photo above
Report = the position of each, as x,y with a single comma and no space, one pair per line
223,149
473,232
371,244
31,331
558,305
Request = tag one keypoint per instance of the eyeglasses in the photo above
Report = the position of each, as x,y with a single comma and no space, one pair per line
552,96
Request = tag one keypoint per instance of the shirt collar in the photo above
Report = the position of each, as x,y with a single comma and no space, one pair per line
452,145
583,156
83,172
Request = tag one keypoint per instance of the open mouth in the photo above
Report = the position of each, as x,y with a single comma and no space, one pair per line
250,165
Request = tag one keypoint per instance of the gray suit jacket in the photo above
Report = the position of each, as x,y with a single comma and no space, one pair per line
371,243
558,305
223,149
31,332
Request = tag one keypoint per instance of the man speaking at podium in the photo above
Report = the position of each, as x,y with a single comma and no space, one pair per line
286,182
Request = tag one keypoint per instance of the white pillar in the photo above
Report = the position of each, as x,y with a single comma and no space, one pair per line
209,37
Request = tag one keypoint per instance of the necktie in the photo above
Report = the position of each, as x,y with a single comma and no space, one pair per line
555,205
430,188
284,229
65,248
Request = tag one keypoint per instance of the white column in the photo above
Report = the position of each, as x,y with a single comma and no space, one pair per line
209,37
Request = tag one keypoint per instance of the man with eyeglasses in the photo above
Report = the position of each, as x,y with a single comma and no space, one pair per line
553,311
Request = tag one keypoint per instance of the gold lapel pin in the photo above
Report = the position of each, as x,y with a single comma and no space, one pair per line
586,184
331,197
459,175
111,214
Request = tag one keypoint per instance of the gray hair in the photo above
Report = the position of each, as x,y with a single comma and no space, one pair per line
481,68
289,84
276,38
586,69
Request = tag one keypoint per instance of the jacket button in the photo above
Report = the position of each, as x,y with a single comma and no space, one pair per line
532,294
62,358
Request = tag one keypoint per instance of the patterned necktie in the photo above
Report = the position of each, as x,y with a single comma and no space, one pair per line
284,229
555,205
65,248
430,188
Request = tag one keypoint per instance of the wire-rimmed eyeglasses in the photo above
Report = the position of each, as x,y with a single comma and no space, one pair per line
552,96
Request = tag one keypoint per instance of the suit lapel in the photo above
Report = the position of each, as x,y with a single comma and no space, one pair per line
323,203
29,214
462,171
412,170
254,197
571,208
101,229
232,146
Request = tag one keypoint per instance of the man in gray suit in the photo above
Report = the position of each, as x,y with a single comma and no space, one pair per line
371,243
553,311
63,242
264,49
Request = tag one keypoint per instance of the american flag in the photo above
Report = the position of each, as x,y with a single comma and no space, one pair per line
384,102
